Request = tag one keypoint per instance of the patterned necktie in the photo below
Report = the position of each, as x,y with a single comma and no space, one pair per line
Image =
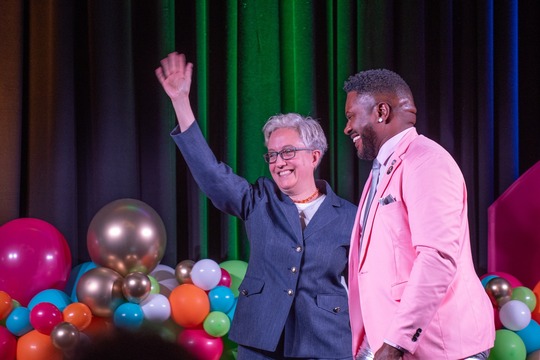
372,190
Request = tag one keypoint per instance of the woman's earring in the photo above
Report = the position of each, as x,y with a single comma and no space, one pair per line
380,120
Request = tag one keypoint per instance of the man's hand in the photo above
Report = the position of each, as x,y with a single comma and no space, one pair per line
387,352
174,75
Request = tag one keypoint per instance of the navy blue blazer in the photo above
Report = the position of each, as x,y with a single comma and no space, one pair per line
293,280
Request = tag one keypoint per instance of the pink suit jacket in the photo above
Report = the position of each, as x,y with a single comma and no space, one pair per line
415,284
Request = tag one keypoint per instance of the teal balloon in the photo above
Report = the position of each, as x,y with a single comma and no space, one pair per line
74,276
221,299
56,297
525,295
508,346
216,324
530,336
128,316
18,321
485,280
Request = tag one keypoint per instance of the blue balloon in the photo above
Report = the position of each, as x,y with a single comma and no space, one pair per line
221,299
530,336
56,297
18,321
128,316
486,280
230,314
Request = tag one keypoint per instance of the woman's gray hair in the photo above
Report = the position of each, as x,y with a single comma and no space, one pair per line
309,129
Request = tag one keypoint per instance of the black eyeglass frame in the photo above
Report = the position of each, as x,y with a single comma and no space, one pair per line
284,153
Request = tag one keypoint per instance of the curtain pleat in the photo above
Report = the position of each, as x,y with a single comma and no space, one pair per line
83,120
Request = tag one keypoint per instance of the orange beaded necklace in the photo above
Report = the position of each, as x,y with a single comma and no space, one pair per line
311,197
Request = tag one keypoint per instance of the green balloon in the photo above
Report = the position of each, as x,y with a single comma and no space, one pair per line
524,295
217,324
508,346
154,285
237,269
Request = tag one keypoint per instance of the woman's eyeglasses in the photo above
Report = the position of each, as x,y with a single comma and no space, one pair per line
286,154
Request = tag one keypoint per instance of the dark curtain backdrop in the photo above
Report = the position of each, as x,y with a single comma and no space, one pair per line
83,121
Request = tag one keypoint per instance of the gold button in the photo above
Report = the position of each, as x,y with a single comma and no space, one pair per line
244,292
298,249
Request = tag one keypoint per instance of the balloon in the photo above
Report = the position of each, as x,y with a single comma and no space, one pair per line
512,280
183,271
18,321
136,287
74,276
237,269
189,305
154,285
6,304
484,279
206,274
536,312
35,256
515,315
99,326
217,324
508,346
200,345
8,344
530,335
166,277
525,295
44,317
230,314
128,316
498,289
127,235
101,290
78,314
65,336
221,299
156,307
56,297
37,346
225,278
535,355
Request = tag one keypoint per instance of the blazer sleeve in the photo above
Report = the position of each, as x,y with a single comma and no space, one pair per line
435,194
229,192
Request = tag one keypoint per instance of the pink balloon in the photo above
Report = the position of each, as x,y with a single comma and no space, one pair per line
45,316
8,344
201,345
34,256
225,278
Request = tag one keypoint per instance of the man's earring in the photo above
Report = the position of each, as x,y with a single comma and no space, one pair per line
380,120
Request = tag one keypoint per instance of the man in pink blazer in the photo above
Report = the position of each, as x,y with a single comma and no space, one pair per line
413,289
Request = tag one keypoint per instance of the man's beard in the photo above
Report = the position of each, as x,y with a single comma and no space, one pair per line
368,151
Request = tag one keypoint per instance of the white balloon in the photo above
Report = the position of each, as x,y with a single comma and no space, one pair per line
206,274
515,315
156,307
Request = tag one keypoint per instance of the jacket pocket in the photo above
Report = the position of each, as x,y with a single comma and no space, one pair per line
397,290
332,303
250,286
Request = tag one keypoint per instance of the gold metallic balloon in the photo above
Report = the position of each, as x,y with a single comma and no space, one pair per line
136,287
127,235
498,290
183,271
65,336
101,290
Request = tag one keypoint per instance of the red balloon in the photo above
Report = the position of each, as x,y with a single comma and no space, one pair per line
34,256
8,344
200,345
225,278
45,316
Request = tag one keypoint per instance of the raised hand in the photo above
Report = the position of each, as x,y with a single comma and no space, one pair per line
174,75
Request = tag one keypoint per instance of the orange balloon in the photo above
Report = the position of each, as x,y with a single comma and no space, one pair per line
6,304
535,314
37,346
189,305
78,314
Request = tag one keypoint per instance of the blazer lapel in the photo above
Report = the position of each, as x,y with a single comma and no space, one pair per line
393,163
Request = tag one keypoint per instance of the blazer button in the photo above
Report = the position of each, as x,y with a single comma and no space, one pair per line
293,269
336,309
298,249
290,292
244,292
